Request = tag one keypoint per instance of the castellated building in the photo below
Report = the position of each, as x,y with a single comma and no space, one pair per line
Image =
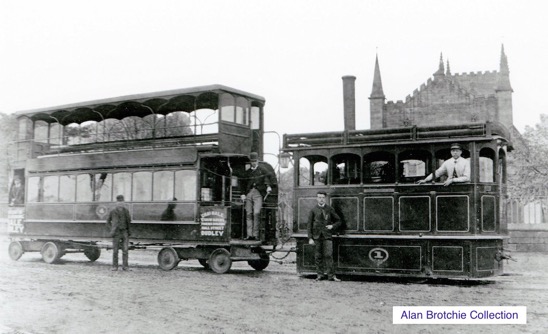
447,99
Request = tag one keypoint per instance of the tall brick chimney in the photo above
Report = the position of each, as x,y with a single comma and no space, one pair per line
349,100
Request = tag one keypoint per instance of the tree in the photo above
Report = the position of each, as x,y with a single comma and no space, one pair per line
528,163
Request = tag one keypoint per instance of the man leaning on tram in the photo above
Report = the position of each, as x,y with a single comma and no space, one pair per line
457,169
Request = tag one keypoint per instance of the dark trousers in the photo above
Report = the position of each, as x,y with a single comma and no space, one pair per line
121,238
323,254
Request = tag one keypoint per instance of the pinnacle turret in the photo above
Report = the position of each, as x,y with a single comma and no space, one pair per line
377,91
503,82
441,69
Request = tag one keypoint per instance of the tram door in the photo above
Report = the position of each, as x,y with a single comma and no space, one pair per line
221,184
16,202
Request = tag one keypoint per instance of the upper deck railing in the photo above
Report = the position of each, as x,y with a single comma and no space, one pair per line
392,135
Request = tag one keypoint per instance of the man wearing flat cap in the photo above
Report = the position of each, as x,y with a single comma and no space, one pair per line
257,183
457,169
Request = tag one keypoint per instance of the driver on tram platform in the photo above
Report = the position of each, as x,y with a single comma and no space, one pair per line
457,169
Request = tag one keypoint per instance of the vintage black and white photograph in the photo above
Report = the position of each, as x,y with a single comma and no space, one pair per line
305,166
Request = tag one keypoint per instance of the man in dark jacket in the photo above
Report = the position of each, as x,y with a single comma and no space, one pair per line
257,182
118,223
322,221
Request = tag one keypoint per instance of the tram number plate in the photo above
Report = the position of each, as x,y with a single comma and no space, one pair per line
378,255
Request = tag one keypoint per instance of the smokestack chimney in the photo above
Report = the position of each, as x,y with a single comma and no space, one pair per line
349,100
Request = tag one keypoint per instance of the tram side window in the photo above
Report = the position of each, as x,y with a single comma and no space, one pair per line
242,111
67,188
346,169
413,165
34,189
88,132
378,167
205,121
185,185
94,187
51,189
255,118
71,135
56,134
24,130
142,186
121,185
41,131
487,165
313,171
175,124
163,186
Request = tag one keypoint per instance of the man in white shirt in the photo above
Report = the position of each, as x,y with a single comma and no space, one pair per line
457,169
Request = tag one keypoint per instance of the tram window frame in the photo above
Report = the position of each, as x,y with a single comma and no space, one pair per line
41,132
142,186
50,189
352,164
88,136
384,173
314,175
71,134
163,185
255,118
90,182
24,129
487,166
186,182
67,188
421,155
242,111
34,189
56,134
122,184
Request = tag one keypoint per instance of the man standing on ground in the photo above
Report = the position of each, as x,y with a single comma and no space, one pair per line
322,221
118,222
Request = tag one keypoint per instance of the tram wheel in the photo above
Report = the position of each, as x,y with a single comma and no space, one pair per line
168,258
260,264
204,263
92,253
51,252
219,261
15,250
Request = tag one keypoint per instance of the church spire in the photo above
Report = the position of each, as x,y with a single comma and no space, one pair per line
377,91
441,70
503,83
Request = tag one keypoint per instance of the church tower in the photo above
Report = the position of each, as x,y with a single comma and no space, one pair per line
447,99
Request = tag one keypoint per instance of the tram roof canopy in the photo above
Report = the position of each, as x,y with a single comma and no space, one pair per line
140,105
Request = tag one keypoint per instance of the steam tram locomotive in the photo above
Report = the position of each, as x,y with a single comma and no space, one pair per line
392,225
177,156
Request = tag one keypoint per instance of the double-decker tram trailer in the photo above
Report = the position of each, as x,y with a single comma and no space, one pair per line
393,226
178,157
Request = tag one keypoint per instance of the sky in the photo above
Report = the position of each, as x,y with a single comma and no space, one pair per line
292,52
